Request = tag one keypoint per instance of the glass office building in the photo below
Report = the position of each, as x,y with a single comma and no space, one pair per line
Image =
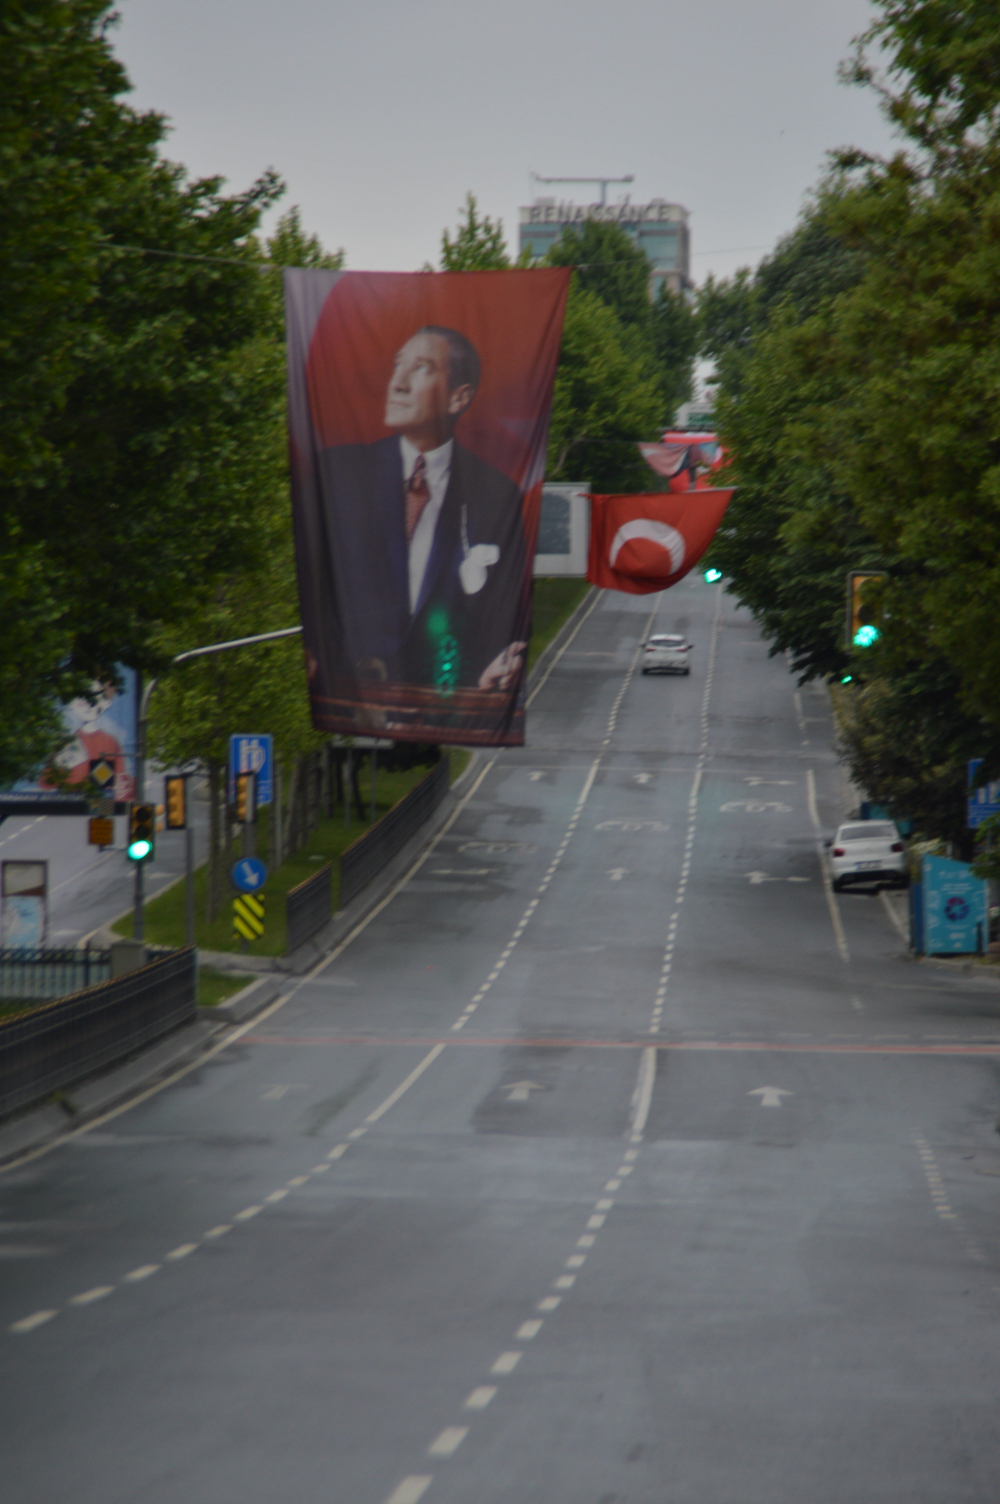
658,228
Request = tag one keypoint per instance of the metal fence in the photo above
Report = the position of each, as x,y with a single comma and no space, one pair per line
364,860
308,907
57,1044
27,974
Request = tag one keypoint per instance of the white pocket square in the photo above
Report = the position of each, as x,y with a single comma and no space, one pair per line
472,570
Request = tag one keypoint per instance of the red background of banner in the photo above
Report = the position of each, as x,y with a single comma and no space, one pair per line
695,515
514,319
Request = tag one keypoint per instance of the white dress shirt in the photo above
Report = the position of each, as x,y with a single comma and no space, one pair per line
437,469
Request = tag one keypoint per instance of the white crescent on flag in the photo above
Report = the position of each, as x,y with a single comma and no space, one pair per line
661,533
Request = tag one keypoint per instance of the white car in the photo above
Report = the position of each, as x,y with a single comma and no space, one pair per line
867,851
666,653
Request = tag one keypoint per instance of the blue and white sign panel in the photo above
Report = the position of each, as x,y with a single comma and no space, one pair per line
984,801
252,754
249,874
955,908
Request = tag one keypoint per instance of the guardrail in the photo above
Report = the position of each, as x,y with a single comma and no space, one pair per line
59,1043
365,858
308,906
47,973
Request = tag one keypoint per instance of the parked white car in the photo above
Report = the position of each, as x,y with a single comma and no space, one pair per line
666,653
867,851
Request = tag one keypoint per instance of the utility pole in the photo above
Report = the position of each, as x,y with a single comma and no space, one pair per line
139,895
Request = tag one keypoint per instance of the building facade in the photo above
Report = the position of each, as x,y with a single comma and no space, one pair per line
659,229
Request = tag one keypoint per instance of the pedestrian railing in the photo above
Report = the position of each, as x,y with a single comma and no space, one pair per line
26,974
55,1044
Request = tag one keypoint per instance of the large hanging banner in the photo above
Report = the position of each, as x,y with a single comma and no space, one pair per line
418,418
685,460
647,542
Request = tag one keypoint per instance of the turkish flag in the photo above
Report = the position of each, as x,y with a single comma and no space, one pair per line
648,542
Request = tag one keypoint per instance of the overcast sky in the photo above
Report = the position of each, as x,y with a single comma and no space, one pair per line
381,115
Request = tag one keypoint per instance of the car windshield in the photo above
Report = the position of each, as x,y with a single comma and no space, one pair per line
871,830
667,641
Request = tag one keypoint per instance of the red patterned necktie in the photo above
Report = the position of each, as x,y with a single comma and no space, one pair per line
418,494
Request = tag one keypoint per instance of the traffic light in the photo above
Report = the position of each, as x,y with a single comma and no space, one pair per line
142,833
862,611
175,799
712,575
246,798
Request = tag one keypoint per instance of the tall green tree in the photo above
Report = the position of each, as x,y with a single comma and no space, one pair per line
478,245
129,436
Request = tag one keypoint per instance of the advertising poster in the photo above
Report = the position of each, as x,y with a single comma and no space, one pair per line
647,542
100,729
418,418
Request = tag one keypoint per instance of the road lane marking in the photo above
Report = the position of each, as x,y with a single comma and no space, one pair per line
247,1213
28,1323
298,1180
576,1260
506,1363
596,1222
480,1398
549,1303
410,1491
603,1206
545,679
448,1442
838,928
276,1196
565,1282
182,1252
770,1096
220,1231
99,1292
586,1240
405,1085
143,1272
642,1097
527,1330
320,1169
337,1151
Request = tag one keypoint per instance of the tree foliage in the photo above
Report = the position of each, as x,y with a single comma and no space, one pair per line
859,373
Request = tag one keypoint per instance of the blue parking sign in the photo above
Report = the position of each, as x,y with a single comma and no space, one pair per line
252,754
984,801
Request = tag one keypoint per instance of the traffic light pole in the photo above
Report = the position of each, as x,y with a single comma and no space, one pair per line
139,895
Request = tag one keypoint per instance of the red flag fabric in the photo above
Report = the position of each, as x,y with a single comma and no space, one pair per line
648,542
685,460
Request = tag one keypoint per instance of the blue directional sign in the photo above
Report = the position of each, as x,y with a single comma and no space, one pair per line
249,874
252,754
955,908
984,801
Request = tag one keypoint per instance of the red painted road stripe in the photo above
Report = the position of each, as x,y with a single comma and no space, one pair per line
719,1046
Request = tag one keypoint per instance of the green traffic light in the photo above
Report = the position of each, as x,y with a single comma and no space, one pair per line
711,575
139,850
865,636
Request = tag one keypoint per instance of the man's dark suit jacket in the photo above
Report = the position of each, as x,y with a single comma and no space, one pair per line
453,634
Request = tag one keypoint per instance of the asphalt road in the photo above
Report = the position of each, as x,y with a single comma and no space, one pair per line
614,1161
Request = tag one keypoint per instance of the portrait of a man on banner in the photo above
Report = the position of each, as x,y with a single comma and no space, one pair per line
418,407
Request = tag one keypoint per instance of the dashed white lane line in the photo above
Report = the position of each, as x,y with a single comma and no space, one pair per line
549,1303
596,1222
448,1442
527,1330
838,928
298,1180
337,1151
480,1398
403,1086
576,1261
565,1281
247,1213
28,1323
276,1196
220,1231
87,1298
410,1491
506,1363
182,1252
143,1272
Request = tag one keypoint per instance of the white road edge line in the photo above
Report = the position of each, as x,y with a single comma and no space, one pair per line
838,928
897,922
543,681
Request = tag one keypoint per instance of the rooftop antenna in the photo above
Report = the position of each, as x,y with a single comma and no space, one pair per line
603,182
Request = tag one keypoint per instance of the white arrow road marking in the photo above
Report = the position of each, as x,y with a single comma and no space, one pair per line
617,873
534,777
642,777
770,1096
519,1090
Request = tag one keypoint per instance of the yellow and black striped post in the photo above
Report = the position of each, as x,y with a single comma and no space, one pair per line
248,916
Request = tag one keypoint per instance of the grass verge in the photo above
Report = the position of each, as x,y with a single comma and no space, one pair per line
215,986
554,599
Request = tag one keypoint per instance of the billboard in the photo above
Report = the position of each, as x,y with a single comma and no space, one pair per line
100,739
418,419
647,542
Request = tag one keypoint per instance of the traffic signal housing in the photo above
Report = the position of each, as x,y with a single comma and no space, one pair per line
862,611
246,798
175,799
141,833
